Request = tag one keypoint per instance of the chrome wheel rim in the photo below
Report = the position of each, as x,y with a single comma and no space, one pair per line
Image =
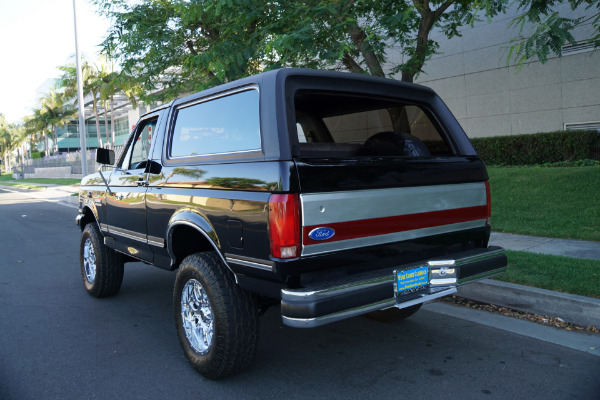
197,316
89,261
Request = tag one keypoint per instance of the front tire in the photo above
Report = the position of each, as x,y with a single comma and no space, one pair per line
217,321
101,267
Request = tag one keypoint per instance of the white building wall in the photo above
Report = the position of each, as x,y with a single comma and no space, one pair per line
491,98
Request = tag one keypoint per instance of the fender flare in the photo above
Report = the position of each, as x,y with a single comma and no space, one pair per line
200,223
88,204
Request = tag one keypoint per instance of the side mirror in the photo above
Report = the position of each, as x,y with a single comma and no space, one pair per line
105,156
155,167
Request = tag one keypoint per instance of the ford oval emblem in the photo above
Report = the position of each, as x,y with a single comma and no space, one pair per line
322,233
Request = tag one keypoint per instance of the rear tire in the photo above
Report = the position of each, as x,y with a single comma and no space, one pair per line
217,321
101,267
393,314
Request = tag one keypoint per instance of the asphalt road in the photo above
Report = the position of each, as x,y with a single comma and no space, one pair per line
57,342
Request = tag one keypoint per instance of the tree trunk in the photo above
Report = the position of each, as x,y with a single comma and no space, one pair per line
351,64
95,109
112,125
106,130
399,119
428,19
55,138
359,37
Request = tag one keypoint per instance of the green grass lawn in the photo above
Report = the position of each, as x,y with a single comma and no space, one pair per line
553,202
21,185
53,181
563,274
4,178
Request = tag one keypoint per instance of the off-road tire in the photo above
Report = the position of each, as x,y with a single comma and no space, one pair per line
108,264
234,317
393,314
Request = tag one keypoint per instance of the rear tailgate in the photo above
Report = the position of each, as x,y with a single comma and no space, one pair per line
342,220
351,204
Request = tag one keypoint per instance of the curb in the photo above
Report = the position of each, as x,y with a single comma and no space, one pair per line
581,341
579,310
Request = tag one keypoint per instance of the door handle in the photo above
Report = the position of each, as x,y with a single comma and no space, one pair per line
142,182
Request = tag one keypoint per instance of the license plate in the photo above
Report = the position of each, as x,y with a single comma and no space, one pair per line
411,280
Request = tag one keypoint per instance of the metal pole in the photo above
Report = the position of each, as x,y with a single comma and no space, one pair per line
81,105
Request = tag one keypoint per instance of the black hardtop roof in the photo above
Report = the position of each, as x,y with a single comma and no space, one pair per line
281,75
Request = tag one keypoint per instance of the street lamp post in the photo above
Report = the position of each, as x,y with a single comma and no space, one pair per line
81,105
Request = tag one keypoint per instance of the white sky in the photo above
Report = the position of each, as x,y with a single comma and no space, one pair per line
37,36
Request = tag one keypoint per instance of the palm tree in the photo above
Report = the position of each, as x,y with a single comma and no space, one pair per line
31,130
118,82
20,139
38,123
12,137
92,81
6,140
58,113
110,85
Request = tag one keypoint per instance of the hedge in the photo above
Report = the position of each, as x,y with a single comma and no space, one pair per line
538,148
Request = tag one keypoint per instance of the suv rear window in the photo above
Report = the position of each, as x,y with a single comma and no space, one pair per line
341,125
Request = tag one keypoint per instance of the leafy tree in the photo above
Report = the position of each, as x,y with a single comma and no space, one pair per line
181,46
361,36
551,30
176,47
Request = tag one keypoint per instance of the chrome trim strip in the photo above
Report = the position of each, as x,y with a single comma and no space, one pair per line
156,241
380,305
128,234
488,274
251,262
104,227
326,247
480,257
218,96
385,278
326,208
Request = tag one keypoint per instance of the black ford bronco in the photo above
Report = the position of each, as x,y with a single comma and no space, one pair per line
327,194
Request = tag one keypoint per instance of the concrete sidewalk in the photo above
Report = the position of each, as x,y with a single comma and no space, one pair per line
61,194
543,245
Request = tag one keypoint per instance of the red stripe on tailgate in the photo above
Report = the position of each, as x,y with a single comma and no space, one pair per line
399,223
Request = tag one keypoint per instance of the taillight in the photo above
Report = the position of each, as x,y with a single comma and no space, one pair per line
488,197
284,225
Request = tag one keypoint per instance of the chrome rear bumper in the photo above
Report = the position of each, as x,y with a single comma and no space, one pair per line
325,302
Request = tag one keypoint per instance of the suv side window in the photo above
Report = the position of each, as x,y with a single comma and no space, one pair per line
227,124
137,153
